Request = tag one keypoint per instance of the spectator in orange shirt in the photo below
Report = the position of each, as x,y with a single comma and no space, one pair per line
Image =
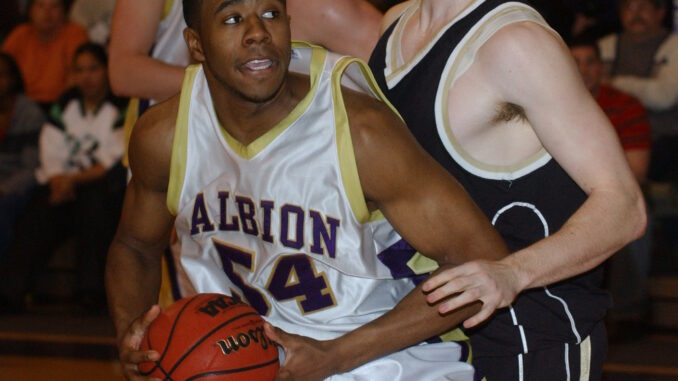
43,47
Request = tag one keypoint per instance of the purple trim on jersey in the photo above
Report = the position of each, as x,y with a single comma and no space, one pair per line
223,208
247,210
267,207
310,289
200,216
320,232
285,212
396,258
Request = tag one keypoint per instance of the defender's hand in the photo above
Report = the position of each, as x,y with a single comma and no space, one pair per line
306,359
492,282
129,344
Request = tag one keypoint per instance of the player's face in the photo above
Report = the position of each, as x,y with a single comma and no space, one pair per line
246,46
640,17
590,67
90,76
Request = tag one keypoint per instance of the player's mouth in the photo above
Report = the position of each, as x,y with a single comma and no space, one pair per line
258,65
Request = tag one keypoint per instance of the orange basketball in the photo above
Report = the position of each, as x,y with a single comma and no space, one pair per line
210,337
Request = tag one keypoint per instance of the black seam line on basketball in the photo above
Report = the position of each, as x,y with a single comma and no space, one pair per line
169,339
188,352
237,370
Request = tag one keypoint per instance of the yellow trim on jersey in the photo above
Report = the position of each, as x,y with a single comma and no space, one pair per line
398,32
454,335
345,152
398,37
180,142
167,9
251,150
422,264
445,110
347,163
131,117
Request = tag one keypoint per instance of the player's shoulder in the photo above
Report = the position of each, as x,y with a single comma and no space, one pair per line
515,44
523,34
161,115
150,149
368,116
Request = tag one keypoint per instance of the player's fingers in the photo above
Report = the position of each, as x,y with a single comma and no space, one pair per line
275,334
283,375
150,315
480,317
441,278
468,296
137,357
450,288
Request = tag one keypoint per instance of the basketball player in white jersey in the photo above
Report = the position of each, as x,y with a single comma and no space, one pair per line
273,180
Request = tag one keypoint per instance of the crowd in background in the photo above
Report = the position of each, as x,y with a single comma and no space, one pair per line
61,141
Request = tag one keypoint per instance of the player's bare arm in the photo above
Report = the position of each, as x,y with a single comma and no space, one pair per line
347,26
133,265
561,114
132,71
439,219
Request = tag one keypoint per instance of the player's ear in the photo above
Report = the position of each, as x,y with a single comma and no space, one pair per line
194,44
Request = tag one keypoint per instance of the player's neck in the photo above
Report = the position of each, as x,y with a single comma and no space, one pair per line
247,120
435,13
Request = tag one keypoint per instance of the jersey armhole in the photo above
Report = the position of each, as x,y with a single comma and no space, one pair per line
355,75
180,142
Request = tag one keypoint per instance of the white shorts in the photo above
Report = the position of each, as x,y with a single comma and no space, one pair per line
426,362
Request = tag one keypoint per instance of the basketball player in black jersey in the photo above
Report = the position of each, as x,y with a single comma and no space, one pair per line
492,94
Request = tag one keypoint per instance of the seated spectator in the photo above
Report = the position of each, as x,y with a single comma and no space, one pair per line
20,123
43,47
628,270
95,16
81,186
627,114
642,60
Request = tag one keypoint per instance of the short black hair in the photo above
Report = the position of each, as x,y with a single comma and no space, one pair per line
192,12
17,79
96,50
585,40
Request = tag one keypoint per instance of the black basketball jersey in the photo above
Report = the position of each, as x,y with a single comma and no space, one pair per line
525,204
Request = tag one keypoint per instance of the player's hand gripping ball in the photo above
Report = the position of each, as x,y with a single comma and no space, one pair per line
210,337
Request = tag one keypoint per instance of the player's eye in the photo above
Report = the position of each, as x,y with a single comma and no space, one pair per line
231,20
270,14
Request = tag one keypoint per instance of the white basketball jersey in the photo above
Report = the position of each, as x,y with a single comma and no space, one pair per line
283,222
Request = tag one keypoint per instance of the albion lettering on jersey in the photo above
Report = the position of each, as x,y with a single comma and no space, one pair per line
256,220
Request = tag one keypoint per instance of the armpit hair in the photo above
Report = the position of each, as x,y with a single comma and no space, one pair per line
507,112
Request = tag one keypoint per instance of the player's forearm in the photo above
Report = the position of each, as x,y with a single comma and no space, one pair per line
604,224
132,284
136,75
409,323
